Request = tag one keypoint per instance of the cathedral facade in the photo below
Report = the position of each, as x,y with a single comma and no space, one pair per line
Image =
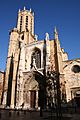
32,66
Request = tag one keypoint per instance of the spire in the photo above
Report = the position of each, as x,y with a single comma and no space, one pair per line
47,36
55,29
55,33
24,8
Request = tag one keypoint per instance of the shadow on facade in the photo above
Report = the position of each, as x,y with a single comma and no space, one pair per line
41,92
10,82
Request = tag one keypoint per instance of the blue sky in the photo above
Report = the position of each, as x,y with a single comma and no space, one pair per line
64,14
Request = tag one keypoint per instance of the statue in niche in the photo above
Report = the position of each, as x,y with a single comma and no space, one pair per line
34,63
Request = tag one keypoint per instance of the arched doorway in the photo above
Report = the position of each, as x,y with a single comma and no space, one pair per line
33,93
75,94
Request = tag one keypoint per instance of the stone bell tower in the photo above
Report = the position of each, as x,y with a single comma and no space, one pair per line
25,25
25,21
24,32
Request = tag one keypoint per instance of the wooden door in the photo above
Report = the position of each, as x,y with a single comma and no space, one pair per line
32,98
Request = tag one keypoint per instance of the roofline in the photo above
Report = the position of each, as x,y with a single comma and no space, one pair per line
72,60
2,71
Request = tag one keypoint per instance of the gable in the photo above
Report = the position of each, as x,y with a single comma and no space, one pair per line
69,65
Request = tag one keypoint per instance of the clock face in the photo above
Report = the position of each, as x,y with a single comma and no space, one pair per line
76,68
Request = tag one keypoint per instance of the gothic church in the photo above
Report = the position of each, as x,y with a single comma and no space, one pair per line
33,63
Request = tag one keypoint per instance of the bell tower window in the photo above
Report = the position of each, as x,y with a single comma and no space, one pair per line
26,23
21,24
31,26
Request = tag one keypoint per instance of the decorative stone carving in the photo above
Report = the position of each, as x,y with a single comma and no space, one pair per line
47,36
36,37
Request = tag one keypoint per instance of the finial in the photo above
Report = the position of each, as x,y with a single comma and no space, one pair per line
30,10
36,37
55,29
33,13
24,8
55,33
47,36
19,10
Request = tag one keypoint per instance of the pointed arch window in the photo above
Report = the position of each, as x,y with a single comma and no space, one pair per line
20,23
37,56
26,23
